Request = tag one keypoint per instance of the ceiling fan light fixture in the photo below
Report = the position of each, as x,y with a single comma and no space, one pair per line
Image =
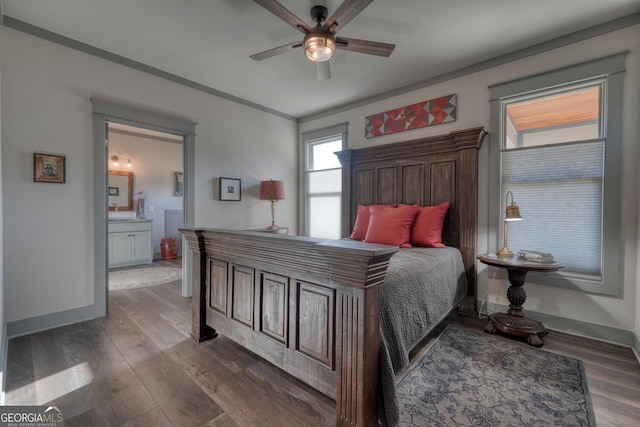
319,47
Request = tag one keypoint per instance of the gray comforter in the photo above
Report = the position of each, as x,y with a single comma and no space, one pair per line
421,287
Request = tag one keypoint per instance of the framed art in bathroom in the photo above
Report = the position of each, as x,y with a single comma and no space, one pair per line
179,183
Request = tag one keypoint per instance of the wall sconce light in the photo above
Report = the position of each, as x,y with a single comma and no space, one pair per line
512,214
116,161
273,191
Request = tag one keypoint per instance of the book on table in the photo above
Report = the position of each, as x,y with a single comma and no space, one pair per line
536,256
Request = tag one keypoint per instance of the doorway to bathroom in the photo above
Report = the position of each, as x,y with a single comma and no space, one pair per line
145,189
111,120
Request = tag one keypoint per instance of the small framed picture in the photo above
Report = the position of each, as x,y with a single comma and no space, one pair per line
48,168
230,189
114,191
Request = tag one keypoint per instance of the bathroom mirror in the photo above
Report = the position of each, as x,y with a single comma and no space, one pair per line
120,190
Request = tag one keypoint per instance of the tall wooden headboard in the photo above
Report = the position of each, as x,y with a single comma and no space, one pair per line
426,171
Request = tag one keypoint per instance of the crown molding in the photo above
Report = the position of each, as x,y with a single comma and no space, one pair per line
33,30
598,30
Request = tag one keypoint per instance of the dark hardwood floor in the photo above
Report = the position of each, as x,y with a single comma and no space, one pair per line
138,367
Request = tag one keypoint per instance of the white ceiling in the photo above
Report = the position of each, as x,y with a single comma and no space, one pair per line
209,41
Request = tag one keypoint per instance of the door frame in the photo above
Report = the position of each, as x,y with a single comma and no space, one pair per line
105,112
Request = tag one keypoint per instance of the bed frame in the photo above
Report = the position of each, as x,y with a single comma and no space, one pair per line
311,306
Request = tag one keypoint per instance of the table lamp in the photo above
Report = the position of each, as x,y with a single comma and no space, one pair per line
273,191
512,214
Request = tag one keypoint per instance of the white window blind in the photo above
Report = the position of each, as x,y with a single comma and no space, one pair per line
323,189
559,189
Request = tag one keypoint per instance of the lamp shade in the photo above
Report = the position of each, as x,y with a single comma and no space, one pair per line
512,213
271,190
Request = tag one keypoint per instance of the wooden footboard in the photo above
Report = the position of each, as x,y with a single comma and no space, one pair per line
309,306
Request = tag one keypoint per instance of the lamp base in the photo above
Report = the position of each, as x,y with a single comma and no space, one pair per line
505,253
273,227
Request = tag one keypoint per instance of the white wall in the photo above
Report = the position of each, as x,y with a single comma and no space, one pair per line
153,164
3,330
48,240
473,110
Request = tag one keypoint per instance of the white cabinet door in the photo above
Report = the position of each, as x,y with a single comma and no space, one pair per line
119,248
141,246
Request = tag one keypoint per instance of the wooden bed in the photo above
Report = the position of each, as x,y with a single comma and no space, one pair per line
311,306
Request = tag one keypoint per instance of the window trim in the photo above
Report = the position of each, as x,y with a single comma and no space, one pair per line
307,139
611,70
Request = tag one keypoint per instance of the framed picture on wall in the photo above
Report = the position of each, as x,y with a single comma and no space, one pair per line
230,189
48,168
114,191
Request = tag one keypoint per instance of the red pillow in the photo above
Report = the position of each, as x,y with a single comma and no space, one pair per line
427,227
391,225
362,222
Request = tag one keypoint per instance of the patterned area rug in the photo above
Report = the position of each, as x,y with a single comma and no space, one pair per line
467,378
142,277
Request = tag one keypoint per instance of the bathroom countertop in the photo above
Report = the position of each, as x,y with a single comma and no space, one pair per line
118,220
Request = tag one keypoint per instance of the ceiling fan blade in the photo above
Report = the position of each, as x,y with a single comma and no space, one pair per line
283,13
364,46
323,70
344,14
275,51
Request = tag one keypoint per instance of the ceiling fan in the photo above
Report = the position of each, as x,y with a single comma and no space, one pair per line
320,42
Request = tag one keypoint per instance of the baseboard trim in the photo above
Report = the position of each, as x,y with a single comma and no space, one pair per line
576,327
31,325
636,347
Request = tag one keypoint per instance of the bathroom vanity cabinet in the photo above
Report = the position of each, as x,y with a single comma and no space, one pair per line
130,242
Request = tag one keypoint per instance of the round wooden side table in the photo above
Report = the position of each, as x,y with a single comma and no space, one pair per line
513,322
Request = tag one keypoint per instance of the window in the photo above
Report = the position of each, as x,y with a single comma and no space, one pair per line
559,154
553,163
323,182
